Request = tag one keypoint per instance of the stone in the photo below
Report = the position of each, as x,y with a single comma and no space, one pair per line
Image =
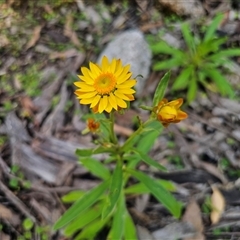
131,47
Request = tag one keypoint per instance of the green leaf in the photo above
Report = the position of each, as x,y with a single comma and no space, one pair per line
96,168
168,64
221,82
91,230
145,158
72,196
130,229
81,205
160,193
83,219
91,151
182,80
115,189
213,27
140,188
117,229
192,89
189,39
28,224
163,47
84,152
149,136
161,88
225,53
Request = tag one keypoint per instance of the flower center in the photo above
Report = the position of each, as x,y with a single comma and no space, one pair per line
105,83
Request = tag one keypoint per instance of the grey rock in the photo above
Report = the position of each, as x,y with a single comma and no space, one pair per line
176,230
131,47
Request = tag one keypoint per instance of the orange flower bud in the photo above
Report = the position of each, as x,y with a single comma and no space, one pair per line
93,126
169,112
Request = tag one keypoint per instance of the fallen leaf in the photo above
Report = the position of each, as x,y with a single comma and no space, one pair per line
65,54
68,32
218,205
28,107
36,35
193,215
5,213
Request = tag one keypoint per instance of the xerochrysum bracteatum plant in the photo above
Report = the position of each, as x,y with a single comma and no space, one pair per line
108,88
202,59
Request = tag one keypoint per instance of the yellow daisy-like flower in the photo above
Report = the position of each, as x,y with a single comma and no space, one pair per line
169,112
105,87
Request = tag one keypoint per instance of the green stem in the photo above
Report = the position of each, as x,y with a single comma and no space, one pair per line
130,140
113,137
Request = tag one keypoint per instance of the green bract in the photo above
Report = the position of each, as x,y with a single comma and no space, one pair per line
203,59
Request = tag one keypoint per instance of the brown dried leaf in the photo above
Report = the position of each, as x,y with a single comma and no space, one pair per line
36,35
5,213
193,215
218,205
65,54
68,32
28,107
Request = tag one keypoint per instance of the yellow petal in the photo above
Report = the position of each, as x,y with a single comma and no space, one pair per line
123,77
86,100
121,95
109,108
126,90
176,103
112,66
119,68
127,84
105,63
95,101
86,79
95,69
181,115
88,95
113,101
103,104
121,103
84,87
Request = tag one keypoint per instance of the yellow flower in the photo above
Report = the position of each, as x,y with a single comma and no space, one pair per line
169,112
105,87
92,125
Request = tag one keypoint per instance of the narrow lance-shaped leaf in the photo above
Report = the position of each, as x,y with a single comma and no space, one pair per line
213,27
188,37
168,64
221,82
115,189
192,89
183,79
89,215
161,88
82,204
160,193
145,158
117,229
96,167
130,229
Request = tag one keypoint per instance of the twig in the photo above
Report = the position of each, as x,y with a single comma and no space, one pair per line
16,201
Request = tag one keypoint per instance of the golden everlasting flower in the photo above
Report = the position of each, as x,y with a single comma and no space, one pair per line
106,87
169,112
92,125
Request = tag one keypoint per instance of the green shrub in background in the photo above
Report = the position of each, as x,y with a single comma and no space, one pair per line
203,59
